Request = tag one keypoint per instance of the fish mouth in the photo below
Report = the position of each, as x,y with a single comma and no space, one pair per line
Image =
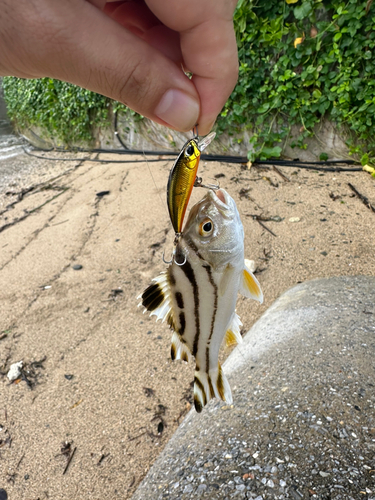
221,198
221,194
223,202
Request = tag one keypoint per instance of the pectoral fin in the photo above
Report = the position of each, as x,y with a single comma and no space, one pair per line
249,286
227,275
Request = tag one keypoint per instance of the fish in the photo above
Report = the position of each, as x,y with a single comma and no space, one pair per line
196,295
182,178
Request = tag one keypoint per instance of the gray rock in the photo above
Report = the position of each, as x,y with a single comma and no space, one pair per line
297,379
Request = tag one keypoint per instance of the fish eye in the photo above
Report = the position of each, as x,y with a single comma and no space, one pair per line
206,227
189,150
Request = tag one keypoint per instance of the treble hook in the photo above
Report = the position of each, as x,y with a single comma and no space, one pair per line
176,240
174,259
199,183
167,261
180,263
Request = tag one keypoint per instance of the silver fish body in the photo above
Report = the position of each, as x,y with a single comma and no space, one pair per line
197,294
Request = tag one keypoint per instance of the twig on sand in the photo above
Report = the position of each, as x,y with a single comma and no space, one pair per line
69,460
138,436
259,219
266,228
19,461
363,198
132,482
278,171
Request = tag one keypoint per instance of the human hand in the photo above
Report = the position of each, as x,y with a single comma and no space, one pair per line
131,51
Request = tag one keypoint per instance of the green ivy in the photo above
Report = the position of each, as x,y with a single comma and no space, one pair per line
299,62
63,110
330,73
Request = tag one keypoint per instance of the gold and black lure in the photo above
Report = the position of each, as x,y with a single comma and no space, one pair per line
183,177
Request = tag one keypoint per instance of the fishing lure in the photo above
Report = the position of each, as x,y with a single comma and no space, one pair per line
182,179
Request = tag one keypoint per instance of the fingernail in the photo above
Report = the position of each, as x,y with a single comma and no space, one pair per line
178,109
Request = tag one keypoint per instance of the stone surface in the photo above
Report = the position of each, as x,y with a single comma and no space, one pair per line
303,421
145,135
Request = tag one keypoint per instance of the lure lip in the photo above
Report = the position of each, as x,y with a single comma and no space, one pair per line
205,141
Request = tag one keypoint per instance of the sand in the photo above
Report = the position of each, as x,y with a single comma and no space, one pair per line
99,396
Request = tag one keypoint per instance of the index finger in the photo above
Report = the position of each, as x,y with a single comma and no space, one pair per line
208,46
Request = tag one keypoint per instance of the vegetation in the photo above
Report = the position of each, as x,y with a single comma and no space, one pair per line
300,61
65,111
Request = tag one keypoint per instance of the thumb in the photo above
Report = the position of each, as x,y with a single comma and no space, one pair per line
95,52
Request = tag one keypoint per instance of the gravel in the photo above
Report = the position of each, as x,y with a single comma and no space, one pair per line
302,425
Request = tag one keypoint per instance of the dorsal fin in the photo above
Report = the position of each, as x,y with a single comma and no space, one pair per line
249,286
233,334
157,299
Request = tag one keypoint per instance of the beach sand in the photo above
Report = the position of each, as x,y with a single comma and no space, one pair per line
99,396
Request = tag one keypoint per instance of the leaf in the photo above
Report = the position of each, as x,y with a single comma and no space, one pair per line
297,42
303,10
271,152
365,159
291,1
264,107
369,169
317,93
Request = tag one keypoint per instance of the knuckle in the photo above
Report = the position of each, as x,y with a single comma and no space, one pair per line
136,87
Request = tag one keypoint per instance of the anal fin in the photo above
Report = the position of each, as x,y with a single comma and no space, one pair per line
233,334
179,350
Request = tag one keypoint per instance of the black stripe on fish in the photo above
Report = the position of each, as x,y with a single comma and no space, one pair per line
182,323
197,404
179,300
207,267
211,280
171,278
170,321
152,297
201,388
220,383
189,273
193,246
212,392
173,352
184,356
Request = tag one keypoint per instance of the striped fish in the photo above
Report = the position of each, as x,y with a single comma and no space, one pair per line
198,292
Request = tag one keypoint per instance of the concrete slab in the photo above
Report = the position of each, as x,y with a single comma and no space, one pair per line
303,420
